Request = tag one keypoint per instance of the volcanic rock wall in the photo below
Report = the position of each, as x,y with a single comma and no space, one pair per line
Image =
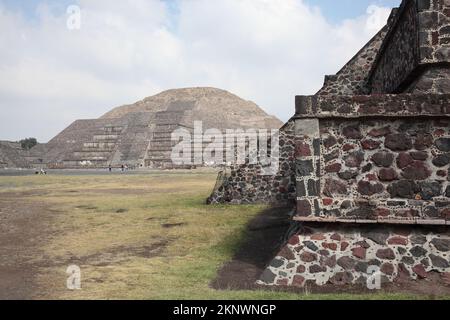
354,255
371,152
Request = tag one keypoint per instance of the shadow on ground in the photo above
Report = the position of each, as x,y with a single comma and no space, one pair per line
264,236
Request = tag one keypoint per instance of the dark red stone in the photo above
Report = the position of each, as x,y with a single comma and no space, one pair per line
404,160
398,241
420,271
333,187
287,253
318,236
329,142
417,170
354,159
344,245
304,208
383,159
387,254
348,147
387,268
442,173
301,269
398,142
308,257
387,174
335,167
336,237
419,155
327,202
282,282
330,262
352,132
293,241
302,149
331,246
382,212
369,189
370,144
376,133
298,281
359,252
446,278
423,141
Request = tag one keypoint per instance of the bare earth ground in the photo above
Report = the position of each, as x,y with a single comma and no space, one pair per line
145,236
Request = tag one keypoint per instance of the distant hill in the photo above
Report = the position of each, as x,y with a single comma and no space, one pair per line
139,134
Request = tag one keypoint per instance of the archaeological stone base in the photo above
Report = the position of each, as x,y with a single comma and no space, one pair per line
351,255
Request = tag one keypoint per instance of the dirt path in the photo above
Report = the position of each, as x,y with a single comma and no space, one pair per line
23,230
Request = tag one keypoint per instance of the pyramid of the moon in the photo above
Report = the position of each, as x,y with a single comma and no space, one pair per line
139,135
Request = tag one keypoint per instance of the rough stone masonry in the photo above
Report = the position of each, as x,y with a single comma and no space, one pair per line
366,162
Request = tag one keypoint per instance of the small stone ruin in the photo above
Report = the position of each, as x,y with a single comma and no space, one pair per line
366,162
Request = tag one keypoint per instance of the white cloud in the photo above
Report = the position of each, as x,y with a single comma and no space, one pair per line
264,50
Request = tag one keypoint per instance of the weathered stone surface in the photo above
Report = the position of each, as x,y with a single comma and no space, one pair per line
387,268
404,159
287,253
418,251
334,187
361,266
418,239
398,142
369,189
346,262
408,260
429,190
386,254
317,268
383,159
354,159
378,237
298,281
403,189
310,245
268,276
398,241
443,144
335,167
417,170
304,167
352,132
439,262
276,263
441,160
342,278
348,175
441,244
387,174
423,141
359,252
369,144
420,271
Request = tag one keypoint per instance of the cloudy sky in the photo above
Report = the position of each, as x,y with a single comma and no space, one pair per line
266,51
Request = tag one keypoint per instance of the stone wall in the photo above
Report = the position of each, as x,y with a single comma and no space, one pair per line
351,255
353,77
418,38
373,159
246,184
433,80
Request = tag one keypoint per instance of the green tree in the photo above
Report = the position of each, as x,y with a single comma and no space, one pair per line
28,143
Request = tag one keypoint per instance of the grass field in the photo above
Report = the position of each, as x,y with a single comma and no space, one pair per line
147,236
